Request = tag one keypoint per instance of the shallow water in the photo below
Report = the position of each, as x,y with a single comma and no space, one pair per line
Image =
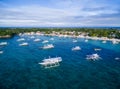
19,68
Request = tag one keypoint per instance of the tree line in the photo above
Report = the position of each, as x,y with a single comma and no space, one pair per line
99,32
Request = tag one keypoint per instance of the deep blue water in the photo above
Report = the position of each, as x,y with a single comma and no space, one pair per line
19,68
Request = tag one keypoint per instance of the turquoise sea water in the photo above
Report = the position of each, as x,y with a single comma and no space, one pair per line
19,68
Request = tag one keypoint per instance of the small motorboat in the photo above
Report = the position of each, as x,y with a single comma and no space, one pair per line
1,52
45,41
117,58
104,41
74,41
36,40
115,42
76,48
86,40
48,46
21,39
51,38
97,49
23,44
3,43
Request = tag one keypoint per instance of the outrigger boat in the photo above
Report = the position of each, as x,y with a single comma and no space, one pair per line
23,44
76,48
36,40
3,43
48,46
93,57
51,62
1,52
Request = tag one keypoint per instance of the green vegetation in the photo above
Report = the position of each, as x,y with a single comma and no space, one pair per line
99,32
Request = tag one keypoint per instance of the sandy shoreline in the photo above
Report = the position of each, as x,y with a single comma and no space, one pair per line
62,35
86,37
6,36
73,36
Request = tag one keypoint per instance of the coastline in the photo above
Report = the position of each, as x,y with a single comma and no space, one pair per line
5,36
87,37
65,34
72,36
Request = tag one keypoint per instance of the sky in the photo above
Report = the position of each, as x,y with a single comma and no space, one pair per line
59,13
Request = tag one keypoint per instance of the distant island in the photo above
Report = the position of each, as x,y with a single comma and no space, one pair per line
91,32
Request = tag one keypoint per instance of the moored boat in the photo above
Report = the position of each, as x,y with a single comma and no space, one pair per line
115,42
76,48
104,41
97,49
36,40
51,62
23,44
21,39
48,46
74,41
3,43
117,58
86,40
51,38
45,41
1,52
93,57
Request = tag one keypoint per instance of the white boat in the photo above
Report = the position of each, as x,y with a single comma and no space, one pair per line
51,38
45,41
32,37
104,41
76,48
23,44
74,41
97,49
115,42
48,46
117,58
21,39
86,40
36,40
93,57
20,34
51,62
1,52
3,43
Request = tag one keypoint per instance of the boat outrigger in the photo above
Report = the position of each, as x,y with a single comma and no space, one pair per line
51,62
93,57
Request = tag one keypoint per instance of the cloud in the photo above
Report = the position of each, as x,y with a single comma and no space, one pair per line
60,13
